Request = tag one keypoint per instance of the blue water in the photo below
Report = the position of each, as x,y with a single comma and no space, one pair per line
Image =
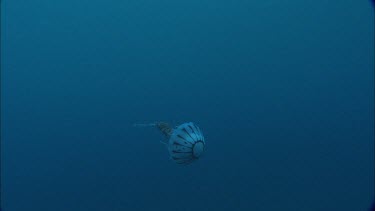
282,90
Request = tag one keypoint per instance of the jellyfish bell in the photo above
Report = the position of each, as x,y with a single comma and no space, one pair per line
185,143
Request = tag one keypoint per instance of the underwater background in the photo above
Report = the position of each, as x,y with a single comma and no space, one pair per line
282,90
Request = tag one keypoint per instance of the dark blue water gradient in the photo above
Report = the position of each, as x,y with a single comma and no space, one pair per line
283,92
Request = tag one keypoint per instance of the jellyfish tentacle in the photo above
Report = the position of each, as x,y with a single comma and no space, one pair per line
144,124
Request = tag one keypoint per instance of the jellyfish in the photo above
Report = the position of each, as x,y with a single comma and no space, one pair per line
185,143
